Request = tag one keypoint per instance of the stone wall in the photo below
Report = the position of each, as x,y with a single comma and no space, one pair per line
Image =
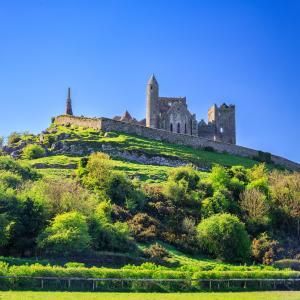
106,124
79,121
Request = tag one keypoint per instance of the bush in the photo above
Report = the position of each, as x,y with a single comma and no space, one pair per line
157,253
225,237
61,195
144,227
10,180
33,151
68,234
107,235
218,203
292,264
264,249
14,138
8,164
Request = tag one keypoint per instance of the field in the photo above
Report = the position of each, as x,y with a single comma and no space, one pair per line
149,296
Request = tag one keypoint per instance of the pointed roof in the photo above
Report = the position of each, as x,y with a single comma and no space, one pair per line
127,115
152,80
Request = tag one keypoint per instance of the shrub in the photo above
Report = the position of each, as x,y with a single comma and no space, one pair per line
33,151
144,227
107,235
61,195
74,265
292,264
264,249
8,164
157,253
187,174
98,171
67,234
218,203
225,237
10,180
14,138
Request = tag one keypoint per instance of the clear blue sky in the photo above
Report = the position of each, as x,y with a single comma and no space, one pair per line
241,52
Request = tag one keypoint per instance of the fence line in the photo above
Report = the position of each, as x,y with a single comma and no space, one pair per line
210,284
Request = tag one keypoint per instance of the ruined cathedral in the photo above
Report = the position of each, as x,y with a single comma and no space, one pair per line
172,114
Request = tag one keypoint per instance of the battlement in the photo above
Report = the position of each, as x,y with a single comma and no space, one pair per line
196,142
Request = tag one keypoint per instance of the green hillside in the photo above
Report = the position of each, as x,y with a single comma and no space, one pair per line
92,140
108,199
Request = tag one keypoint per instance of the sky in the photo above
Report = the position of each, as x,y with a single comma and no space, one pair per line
245,53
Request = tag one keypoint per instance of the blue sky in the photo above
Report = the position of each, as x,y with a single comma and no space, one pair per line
241,52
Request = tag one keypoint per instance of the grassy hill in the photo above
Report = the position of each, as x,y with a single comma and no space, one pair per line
85,141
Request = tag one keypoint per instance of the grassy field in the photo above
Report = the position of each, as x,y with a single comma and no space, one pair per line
149,296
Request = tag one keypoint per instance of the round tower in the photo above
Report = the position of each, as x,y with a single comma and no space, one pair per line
152,109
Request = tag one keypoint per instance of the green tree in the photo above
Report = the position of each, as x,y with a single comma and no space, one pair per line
224,237
61,195
33,151
285,195
98,171
9,179
107,235
67,234
218,203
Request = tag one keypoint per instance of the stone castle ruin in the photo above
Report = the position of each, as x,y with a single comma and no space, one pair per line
168,119
172,114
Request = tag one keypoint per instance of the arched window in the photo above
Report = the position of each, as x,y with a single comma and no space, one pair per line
171,127
178,127
185,129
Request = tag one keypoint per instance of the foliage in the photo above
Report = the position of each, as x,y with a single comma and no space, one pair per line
264,249
33,151
144,227
292,264
59,196
67,234
8,164
107,235
285,192
225,237
9,179
14,138
157,253
98,171
218,203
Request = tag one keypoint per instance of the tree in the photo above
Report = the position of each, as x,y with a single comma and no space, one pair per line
224,237
98,171
187,174
33,151
253,204
219,178
1,142
61,195
67,234
285,193
218,203
107,235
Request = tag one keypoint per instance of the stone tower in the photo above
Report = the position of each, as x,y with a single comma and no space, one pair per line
222,121
69,104
152,109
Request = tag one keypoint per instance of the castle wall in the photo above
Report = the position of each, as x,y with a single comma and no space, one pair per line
79,121
106,124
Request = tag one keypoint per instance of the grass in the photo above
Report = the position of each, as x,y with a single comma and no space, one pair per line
130,142
11,295
93,139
